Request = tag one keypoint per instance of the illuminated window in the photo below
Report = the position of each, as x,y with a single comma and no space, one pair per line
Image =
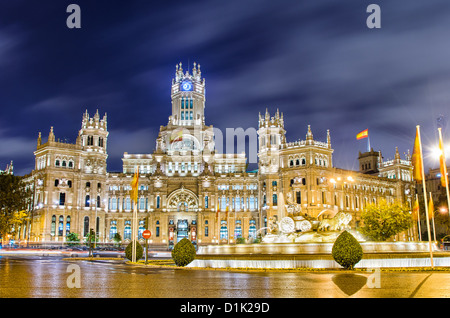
223,230
67,225
53,227
113,229
86,226
127,230
252,229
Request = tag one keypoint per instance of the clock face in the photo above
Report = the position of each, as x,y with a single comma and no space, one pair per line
186,86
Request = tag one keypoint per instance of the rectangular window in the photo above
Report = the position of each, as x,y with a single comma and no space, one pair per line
113,204
182,115
62,198
192,104
299,197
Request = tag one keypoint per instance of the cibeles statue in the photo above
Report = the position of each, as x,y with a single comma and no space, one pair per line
292,208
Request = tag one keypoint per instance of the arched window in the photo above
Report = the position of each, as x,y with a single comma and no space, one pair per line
252,229
113,229
206,202
291,163
86,226
158,202
237,229
223,230
98,201
127,230
61,226
53,227
141,229
70,164
87,200
57,163
68,225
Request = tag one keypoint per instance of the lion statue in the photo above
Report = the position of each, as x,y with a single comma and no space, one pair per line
338,223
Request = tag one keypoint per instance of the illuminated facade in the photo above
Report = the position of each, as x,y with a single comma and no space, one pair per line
303,172
187,189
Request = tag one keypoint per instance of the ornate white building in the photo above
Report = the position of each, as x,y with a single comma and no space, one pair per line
186,189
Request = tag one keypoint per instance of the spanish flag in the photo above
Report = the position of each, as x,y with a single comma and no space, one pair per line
417,158
416,211
431,209
176,136
362,134
134,185
442,161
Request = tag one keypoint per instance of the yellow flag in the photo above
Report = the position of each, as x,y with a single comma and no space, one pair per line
431,209
416,210
134,185
417,158
442,161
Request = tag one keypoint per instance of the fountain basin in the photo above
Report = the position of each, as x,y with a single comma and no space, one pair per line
316,255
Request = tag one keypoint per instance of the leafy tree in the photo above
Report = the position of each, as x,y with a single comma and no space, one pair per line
383,220
129,251
117,238
346,250
183,253
73,239
14,201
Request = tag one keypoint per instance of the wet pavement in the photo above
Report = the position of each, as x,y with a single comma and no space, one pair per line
53,277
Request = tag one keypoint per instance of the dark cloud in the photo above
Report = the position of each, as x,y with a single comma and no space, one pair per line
316,61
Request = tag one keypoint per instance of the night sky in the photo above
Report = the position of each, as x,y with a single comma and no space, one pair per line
317,61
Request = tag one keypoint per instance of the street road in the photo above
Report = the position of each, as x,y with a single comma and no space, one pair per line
47,277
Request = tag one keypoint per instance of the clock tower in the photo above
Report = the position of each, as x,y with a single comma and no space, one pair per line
188,97
186,129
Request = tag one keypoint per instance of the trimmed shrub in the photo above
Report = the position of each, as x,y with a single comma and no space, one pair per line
129,251
347,251
183,252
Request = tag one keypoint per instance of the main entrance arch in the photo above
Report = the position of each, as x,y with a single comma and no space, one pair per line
182,200
181,203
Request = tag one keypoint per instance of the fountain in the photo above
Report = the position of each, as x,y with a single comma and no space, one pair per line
300,240
295,227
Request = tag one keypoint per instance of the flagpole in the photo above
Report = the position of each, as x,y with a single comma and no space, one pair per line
418,219
432,218
425,196
134,237
445,171
134,231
